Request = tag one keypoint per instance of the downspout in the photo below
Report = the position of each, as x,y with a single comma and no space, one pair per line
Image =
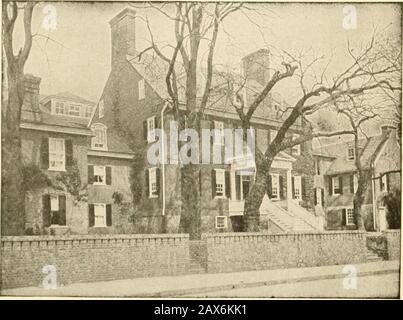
163,157
373,198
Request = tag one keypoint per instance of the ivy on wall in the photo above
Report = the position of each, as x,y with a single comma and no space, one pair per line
70,181
34,178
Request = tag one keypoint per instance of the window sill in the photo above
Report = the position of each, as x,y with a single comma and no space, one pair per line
99,184
153,197
57,169
220,197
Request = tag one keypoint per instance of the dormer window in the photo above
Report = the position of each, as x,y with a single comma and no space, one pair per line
99,141
350,153
59,108
74,110
88,111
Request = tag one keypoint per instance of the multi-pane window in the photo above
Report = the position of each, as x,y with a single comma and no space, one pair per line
56,154
221,222
350,152
142,92
99,175
219,132
220,182
350,216
74,110
88,111
99,141
153,182
100,215
151,129
275,186
297,187
336,185
59,108
296,149
355,183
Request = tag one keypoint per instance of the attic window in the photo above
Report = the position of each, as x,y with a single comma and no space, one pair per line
101,110
351,152
59,108
99,141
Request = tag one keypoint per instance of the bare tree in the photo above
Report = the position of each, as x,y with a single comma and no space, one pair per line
12,196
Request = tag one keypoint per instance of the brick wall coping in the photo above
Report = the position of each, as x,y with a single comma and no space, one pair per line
94,237
392,231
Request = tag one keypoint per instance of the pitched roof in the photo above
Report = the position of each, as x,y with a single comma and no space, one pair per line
368,147
68,96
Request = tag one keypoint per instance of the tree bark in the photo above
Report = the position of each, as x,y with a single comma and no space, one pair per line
364,179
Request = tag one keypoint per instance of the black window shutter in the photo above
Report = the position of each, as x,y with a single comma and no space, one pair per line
330,186
69,152
343,217
351,183
323,197
303,191
269,186
315,197
62,210
145,129
213,184
293,187
91,215
46,210
90,174
341,184
158,180
108,171
387,182
227,185
108,215
302,147
45,153
238,186
280,178
147,183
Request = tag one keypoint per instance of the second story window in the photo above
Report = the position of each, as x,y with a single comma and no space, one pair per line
59,108
74,110
297,187
296,150
219,133
142,92
337,183
88,111
56,154
99,141
151,129
350,153
99,175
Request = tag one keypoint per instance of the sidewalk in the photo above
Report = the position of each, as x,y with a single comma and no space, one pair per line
176,286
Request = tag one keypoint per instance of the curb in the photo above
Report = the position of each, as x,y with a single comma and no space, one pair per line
184,292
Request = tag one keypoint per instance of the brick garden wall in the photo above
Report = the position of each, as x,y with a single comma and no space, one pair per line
92,258
232,252
392,244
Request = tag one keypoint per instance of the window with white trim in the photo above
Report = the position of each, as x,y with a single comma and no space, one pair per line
219,183
152,181
350,216
296,150
100,215
336,185
101,109
151,129
219,132
59,108
99,175
142,91
99,141
54,202
350,153
297,187
88,112
221,222
275,186
74,110
318,196
384,183
355,183
57,154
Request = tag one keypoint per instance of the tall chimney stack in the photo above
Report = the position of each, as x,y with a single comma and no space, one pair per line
31,97
123,34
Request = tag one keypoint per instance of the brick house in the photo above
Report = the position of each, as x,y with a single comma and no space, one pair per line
133,104
70,190
336,179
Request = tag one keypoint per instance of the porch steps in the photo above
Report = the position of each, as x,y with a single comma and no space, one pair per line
372,256
197,257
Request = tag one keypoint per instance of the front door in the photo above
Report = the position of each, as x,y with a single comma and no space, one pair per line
245,185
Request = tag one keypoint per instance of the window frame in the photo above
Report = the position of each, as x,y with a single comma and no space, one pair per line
63,167
224,224
94,128
277,179
74,106
104,176
351,209
297,186
350,157
151,137
152,179
296,150
218,133
335,178
95,215
223,186
355,182
54,196
59,105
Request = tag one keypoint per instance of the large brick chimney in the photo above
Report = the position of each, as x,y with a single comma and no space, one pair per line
123,34
256,66
31,98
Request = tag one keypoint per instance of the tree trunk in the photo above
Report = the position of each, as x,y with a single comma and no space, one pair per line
256,194
13,191
364,179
